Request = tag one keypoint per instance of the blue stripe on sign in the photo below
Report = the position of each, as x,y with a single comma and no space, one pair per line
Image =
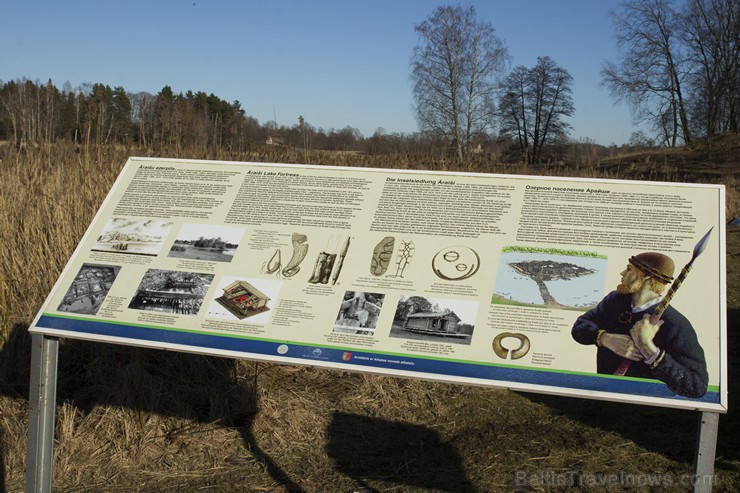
647,388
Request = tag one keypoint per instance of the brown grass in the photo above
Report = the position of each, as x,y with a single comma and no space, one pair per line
143,420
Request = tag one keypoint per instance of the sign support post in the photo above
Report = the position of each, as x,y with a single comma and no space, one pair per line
706,447
42,402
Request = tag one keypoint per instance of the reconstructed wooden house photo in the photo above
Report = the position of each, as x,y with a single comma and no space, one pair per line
445,322
438,320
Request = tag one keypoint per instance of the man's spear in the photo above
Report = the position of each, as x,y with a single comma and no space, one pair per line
698,249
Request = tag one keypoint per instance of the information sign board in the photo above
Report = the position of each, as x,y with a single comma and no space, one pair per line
499,280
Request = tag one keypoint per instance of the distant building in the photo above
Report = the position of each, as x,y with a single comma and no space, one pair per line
274,141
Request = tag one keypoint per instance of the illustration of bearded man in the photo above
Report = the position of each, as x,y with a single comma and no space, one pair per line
620,327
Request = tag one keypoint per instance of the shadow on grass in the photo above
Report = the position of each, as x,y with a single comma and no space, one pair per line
371,449
204,389
649,427
15,359
2,463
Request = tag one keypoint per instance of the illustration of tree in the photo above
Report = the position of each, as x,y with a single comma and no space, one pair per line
542,271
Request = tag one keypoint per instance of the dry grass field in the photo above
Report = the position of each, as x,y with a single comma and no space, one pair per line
144,420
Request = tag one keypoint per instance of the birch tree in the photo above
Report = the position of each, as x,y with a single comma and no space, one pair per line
454,70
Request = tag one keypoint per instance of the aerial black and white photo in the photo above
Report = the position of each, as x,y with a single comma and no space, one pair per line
89,289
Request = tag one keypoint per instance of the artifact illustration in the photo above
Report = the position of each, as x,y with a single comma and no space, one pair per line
503,352
541,271
456,263
404,256
322,268
273,265
325,265
243,300
382,254
300,250
340,261
89,289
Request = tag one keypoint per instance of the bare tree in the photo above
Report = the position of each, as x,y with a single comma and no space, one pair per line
142,111
513,107
11,108
649,74
711,30
551,87
454,70
533,105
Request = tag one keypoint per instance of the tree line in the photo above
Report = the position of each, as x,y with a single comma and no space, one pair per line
32,112
678,71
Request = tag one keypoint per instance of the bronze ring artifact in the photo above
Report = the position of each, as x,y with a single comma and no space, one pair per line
517,353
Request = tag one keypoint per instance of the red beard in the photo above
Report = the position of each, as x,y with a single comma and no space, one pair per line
631,288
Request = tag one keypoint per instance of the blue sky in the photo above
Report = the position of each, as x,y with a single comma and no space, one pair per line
337,63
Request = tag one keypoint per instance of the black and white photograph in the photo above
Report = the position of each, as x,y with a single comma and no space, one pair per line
133,236
434,319
89,289
358,313
210,242
171,291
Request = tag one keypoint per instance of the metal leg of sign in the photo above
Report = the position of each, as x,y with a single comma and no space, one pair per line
706,446
42,402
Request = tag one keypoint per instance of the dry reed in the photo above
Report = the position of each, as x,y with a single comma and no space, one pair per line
142,420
